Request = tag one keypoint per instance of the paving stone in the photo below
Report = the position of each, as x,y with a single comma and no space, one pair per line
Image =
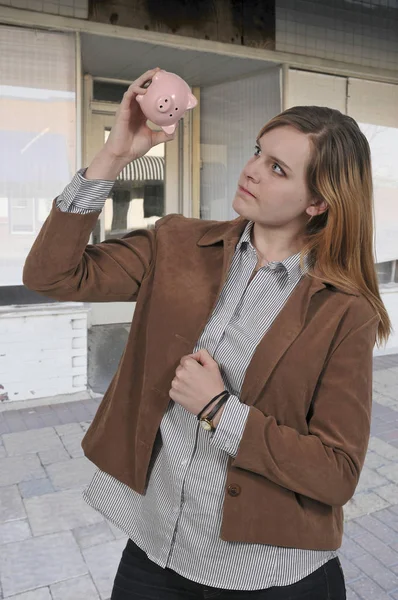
388,517
390,472
385,378
383,449
351,572
378,549
368,589
92,535
85,425
103,562
79,588
14,531
60,511
20,468
11,505
64,414
351,549
50,418
14,421
377,528
364,503
68,429
3,452
40,561
35,487
388,492
48,457
374,460
389,402
351,595
74,473
377,571
118,533
32,420
370,479
39,594
379,427
29,442
3,428
79,412
352,529
72,443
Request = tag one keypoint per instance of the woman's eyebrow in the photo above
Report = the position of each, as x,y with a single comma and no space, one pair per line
278,160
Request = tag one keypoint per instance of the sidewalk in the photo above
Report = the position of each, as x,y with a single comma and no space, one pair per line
53,546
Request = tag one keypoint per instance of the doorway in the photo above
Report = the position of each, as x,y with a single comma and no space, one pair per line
146,190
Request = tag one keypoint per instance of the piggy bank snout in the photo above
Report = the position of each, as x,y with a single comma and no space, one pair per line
164,104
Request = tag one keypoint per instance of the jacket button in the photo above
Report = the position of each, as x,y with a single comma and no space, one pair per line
234,489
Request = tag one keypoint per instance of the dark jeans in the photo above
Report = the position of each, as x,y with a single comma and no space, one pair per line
140,578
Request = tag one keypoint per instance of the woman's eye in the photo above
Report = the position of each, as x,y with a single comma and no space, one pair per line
257,151
280,169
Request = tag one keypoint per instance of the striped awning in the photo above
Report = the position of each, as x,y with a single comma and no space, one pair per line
146,168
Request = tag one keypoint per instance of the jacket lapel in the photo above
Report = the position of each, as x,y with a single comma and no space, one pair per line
278,338
286,326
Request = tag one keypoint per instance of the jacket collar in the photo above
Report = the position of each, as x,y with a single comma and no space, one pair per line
230,232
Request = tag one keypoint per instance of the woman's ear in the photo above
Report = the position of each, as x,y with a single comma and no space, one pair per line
317,207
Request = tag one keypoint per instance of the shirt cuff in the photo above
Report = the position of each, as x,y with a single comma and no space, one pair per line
83,195
229,431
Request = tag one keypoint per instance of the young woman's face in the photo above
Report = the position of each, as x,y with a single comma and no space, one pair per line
272,188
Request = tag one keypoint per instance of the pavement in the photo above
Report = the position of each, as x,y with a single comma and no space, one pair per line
53,546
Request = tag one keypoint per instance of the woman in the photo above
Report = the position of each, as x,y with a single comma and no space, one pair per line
237,424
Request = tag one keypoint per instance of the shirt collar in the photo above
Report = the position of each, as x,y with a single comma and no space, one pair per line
291,264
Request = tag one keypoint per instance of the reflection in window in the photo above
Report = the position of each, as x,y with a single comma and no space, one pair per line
383,143
137,198
37,136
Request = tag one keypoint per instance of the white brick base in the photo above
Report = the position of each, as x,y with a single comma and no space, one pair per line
43,350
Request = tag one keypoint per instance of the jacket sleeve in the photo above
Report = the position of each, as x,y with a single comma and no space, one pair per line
324,465
62,266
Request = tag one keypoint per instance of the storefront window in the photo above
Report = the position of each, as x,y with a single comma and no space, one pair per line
137,197
37,137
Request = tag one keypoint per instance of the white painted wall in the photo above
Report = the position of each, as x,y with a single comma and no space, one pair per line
43,350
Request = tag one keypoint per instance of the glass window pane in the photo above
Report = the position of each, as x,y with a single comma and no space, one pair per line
137,198
37,136
384,272
104,91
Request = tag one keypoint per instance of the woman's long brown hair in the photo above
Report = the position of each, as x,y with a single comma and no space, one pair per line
341,240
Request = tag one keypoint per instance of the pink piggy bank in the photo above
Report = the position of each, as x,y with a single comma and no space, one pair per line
166,100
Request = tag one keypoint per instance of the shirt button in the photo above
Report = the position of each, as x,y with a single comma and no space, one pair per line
184,462
234,489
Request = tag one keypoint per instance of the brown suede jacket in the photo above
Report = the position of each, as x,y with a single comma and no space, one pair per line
308,385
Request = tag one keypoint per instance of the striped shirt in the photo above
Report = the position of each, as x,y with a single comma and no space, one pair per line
177,521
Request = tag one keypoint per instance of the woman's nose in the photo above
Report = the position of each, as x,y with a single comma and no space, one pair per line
251,172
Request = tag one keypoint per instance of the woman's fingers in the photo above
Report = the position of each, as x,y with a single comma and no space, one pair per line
137,86
158,137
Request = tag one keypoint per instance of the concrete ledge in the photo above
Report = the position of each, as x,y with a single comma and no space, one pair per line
49,400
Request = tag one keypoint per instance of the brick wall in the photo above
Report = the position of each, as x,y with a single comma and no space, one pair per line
43,351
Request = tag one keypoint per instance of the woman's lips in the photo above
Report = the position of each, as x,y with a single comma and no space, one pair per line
245,191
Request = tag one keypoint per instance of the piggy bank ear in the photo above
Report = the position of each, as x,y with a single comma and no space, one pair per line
192,102
169,128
